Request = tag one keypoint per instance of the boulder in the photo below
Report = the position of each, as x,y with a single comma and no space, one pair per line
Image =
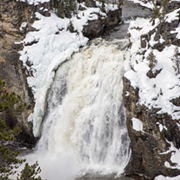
94,28
97,27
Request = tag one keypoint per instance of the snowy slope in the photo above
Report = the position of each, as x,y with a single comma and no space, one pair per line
156,92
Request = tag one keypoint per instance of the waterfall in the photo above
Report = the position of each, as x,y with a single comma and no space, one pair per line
84,128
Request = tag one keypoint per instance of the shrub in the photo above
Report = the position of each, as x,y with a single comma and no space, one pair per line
10,103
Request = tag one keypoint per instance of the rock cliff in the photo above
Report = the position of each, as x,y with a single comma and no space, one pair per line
147,158
12,15
150,147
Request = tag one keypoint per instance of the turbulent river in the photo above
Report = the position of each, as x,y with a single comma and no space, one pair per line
84,135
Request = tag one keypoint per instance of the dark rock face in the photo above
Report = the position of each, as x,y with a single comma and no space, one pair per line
113,18
153,74
171,6
96,28
12,14
146,160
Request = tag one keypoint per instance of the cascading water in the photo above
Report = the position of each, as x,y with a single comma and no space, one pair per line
85,125
84,135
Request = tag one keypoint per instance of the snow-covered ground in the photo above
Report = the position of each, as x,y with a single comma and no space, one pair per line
159,91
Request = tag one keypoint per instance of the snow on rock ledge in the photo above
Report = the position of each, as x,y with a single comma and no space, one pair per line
153,91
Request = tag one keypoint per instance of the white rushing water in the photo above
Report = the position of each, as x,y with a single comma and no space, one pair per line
85,125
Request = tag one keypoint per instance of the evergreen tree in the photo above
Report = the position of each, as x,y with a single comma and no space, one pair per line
10,103
65,8
30,172
152,60
9,162
159,11
103,9
60,9
120,3
71,27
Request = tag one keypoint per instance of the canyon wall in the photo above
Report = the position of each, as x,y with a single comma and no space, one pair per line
150,146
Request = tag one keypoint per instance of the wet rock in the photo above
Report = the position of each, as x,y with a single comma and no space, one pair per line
113,17
176,101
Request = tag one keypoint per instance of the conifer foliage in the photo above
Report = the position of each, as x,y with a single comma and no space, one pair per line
10,103
30,172
9,162
152,60
64,8
159,10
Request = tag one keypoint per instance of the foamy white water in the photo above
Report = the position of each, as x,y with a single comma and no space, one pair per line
85,125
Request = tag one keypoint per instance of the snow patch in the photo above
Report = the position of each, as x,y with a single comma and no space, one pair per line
167,178
153,92
137,124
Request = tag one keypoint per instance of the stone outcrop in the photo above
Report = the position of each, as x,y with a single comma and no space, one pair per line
94,28
147,158
97,27
12,14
